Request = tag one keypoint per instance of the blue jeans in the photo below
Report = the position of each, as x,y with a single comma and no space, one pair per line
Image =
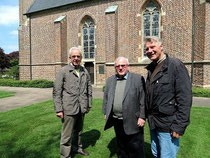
163,145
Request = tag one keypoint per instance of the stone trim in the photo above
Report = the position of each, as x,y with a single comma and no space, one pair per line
45,64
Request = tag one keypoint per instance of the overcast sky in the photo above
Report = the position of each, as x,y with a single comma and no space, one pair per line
9,21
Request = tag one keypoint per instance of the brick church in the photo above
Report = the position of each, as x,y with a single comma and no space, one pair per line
106,29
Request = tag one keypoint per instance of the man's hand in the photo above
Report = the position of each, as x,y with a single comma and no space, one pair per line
175,135
141,122
60,114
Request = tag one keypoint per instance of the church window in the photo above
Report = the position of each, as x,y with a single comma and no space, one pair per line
88,40
151,20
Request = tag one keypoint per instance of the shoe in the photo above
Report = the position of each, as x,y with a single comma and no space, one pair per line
83,152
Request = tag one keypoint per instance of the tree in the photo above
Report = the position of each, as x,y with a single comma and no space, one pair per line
13,55
14,69
4,61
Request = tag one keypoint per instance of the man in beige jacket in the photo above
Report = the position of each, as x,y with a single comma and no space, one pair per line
72,96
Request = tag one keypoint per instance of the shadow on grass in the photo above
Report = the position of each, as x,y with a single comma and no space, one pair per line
112,146
89,138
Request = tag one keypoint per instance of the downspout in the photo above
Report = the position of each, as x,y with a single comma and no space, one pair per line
193,41
30,48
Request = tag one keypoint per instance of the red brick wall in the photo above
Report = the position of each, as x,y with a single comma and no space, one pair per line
24,40
124,38
207,32
207,47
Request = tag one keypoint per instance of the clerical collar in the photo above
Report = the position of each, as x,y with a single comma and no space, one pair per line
160,60
124,77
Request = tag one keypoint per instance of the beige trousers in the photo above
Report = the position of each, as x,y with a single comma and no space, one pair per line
71,134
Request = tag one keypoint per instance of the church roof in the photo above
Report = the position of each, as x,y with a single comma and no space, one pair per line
40,5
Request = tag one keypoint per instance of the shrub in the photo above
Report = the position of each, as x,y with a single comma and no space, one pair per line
41,83
201,92
14,69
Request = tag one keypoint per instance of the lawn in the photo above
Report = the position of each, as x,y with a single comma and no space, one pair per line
4,94
34,132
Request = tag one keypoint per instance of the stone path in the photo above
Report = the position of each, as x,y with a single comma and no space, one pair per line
27,96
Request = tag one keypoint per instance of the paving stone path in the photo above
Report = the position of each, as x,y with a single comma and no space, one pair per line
28,96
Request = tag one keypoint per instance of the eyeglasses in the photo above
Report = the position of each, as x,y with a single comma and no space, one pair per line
74,56
118,66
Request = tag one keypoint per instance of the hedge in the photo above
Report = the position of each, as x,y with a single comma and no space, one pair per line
201,92
41,83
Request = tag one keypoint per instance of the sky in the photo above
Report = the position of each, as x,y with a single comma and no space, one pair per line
9,23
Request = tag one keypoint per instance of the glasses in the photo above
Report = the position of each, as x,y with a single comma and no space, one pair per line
74,56
118,66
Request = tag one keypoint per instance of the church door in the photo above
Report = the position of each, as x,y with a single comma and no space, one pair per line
90,68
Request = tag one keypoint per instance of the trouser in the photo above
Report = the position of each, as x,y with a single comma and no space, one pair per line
130,146
163,145
71,134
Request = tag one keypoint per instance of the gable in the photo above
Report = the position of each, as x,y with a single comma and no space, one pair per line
40,5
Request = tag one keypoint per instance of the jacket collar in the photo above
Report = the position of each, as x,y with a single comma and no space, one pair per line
152,65
159,74
127,86
72,68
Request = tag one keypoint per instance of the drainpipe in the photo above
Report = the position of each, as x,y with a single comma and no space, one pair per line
30,48
193,40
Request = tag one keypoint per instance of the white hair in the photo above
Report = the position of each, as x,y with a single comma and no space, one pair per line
118,58
74,48
152,39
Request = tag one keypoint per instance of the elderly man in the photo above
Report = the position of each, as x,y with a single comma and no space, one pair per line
124,108
169,99
72,95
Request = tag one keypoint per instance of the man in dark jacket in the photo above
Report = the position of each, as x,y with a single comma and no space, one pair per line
124,108
72,95
168,101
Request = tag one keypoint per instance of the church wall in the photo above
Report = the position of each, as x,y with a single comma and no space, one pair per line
207,47
125,35
177,28
207,32
24,40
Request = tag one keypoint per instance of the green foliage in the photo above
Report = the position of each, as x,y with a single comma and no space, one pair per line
201,92
41,83
4,94
35,132
14,69
14,62
4,60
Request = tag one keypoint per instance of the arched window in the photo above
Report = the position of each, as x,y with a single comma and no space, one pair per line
151,20
88,39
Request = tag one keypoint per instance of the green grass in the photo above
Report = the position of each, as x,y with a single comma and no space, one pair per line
34,132
4,94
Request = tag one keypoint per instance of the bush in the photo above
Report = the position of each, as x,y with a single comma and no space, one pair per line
12,72
201,92
26,83
14,69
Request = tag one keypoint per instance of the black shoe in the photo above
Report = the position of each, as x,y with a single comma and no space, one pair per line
83,152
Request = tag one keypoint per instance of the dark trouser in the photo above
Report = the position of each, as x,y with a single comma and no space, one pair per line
130,146
72,129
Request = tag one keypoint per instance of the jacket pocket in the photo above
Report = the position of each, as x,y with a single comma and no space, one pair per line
168,109
164,85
